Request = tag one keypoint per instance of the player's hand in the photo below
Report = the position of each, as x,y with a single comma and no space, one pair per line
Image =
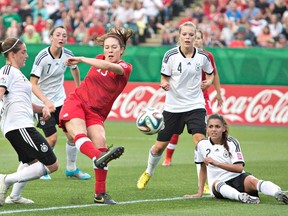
73,61
219,100
50,106
209,160
198,195
165,86
205,84
45,114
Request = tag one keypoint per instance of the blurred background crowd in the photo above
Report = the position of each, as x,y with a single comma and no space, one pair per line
225,23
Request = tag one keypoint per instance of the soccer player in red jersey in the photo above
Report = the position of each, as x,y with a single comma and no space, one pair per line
198,42
84,111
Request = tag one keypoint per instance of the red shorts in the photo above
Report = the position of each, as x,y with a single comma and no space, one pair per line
208,106
73,107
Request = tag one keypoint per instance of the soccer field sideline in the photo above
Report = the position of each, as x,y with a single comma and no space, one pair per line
95,205
99,205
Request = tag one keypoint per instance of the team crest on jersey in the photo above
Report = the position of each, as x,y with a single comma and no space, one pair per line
225,154
63,66
42,123
197,67
44,147
2,80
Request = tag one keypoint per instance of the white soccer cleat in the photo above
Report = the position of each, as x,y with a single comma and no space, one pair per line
3,189
281,196
20,200
246,198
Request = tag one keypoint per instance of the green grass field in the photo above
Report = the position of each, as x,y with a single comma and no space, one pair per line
265,151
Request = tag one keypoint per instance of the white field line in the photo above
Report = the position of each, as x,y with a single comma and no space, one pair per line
91,205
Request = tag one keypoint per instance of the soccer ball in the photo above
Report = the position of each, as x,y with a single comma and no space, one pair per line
150,121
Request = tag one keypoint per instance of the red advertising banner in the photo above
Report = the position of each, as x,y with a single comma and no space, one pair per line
247,105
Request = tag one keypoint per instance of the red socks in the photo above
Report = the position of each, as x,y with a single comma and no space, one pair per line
100,176
86,146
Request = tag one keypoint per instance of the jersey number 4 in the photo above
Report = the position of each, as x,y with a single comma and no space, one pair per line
179,68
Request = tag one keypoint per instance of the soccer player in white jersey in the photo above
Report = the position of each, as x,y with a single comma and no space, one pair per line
222,161
17,124
181,78
47,78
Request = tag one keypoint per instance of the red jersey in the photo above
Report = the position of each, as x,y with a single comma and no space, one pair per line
205,92
100,88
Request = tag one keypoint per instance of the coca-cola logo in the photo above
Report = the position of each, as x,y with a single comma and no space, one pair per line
131,103
268,105
263,106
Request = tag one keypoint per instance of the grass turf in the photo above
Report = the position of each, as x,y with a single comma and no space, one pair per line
265,152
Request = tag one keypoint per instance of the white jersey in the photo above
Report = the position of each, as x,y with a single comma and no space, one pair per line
17,111
205,148
50,72
185,79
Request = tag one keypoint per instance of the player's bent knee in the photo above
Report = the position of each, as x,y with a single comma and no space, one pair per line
54,167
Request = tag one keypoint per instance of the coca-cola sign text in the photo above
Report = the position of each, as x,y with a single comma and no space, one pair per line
253,105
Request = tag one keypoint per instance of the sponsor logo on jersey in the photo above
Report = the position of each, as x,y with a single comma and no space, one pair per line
239,156
44,147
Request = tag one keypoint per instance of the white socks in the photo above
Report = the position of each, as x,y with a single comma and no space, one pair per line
27,173
267,188
153,161
71,154
18,186
227,191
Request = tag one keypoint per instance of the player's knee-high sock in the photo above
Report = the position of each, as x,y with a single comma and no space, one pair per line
227,191
153,160
31,172
71,154
171,146
267,187
18,186
100,177
86,146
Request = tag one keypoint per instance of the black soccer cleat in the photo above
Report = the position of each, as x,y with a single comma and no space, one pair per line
106,157
104,198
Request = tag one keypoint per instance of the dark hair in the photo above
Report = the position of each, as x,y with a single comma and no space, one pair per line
10,45
122,35
54,28
225,133
201,33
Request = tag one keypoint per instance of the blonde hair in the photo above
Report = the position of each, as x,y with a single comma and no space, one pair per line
191,24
